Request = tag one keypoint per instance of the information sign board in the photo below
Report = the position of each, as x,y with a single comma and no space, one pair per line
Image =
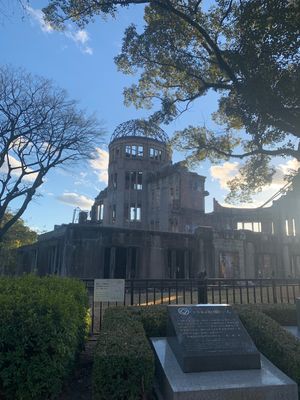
109,290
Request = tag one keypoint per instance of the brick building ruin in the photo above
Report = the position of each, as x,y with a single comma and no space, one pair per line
150,222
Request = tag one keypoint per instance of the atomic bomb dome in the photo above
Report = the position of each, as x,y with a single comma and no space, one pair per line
139,128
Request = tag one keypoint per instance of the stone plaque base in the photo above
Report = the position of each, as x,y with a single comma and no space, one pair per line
267,383
210,337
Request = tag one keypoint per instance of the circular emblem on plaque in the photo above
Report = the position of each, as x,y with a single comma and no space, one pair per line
183,311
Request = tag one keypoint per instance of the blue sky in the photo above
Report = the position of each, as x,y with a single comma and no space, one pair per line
81,61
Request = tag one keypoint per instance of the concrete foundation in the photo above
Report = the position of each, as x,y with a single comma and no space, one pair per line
268,383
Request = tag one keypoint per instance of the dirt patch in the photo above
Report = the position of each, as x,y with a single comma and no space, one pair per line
79,386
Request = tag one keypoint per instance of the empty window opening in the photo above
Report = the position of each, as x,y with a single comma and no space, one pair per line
126,212
139,184
250,226
290,227
127,151
134,180
100,212
134,151
120,263
155,154
127,180
135,212
178,265
114,213
140,151
294,227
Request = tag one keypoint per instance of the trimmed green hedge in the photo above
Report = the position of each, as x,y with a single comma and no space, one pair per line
278,345
284,314
154,319
43,326
123,362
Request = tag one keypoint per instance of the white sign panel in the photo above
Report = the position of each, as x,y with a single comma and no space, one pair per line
109,290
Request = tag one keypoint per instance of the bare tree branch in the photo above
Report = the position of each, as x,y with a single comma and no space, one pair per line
40,129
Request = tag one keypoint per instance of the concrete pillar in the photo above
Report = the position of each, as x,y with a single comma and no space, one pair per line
128,263
286,262
202,265
186,264
173,264
249,261
216,262
112,262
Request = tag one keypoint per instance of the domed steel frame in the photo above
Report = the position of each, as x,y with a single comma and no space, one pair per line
139,128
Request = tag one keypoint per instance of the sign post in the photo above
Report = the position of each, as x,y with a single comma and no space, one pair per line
107,290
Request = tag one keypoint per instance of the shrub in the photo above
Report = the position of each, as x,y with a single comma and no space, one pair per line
43,326
283,314
154,319
279,346
123,363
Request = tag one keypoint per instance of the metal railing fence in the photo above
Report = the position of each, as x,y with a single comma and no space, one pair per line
146,292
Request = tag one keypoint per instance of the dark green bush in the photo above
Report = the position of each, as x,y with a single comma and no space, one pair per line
43,326
154,319
284,314
123,362
279,346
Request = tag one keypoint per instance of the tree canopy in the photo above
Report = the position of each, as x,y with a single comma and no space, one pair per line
40,129
18,235
246,50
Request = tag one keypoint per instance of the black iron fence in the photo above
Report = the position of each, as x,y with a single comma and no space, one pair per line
146,292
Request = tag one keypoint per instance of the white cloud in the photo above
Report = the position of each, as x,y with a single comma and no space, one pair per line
282,170
38,16
227,171
76,200
100,164
79,37
88,50
17,169
223,173
36,229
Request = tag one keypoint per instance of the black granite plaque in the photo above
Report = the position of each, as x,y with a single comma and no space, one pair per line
210,338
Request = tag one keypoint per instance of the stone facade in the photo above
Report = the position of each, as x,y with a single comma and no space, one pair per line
150,222
145,190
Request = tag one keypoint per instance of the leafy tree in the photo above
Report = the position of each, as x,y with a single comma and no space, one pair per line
40,129
18,235
245,50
